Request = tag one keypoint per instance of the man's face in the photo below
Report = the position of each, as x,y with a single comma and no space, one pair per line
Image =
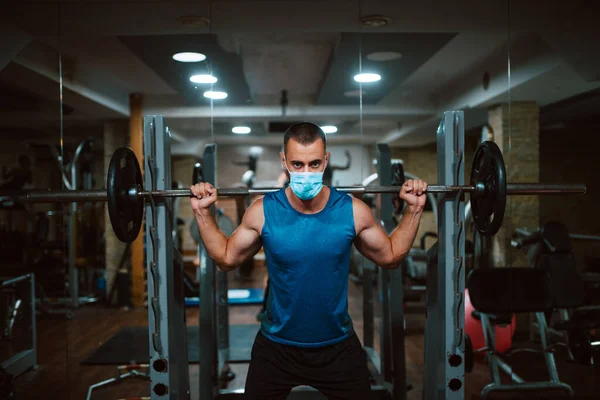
305,158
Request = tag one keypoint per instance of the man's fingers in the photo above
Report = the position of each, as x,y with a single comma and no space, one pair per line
196,190
201,190
416,187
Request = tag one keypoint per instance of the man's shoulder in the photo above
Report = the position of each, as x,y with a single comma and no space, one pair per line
256,205
254,215
359,207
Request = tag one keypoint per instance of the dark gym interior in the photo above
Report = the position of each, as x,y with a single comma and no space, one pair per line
103,294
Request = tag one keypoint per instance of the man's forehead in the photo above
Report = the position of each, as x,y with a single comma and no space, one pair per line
304,156
298,149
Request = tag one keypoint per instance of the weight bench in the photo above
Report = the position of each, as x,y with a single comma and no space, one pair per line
575,321
505,291
552,252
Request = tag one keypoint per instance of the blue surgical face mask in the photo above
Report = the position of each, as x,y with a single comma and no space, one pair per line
306,185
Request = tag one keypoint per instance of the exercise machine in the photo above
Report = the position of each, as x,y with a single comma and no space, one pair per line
18,340
549,248
497,293
76,175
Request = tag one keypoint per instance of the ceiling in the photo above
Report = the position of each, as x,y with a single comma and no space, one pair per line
285,61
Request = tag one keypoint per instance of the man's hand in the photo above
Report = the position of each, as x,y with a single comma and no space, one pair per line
413,193
205,196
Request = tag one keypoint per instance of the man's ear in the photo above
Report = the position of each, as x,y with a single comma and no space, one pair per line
327,155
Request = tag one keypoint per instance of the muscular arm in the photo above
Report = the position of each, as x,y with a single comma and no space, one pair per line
244,242
375,244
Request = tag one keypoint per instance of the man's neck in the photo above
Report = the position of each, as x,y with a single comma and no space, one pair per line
312,206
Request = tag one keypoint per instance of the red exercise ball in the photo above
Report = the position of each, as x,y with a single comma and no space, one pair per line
475,331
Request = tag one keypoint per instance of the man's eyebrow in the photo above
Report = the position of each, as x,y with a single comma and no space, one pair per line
310,162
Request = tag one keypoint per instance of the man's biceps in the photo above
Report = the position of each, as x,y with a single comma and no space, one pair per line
247,236
365,238
241,234
374,237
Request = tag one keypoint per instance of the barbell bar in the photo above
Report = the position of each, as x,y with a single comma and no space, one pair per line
125,197
512,189
137,194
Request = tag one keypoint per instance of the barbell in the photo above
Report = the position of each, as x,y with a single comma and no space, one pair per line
488,190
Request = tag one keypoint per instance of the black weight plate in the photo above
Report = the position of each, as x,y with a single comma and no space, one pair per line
469,354
398,180
397,174
488,206
125,213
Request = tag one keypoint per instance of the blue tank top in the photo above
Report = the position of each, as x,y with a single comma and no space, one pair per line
308,259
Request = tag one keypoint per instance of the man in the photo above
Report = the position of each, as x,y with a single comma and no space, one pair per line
307,231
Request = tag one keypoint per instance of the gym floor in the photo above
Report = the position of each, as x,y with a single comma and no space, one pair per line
63,345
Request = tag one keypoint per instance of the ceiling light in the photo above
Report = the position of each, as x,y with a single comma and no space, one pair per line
203,78
241,130
329,129
215,95
189,57
384,56
197,165
374,21
367,77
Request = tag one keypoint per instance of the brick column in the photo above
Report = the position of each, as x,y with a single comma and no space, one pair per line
516,131
114,137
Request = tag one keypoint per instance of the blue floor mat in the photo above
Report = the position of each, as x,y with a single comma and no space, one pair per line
235,297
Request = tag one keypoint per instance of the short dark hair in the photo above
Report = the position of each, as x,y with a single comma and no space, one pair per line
304,133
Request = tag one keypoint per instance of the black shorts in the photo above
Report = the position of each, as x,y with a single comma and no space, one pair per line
339,371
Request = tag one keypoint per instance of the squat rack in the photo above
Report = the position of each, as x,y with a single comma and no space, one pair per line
444,376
